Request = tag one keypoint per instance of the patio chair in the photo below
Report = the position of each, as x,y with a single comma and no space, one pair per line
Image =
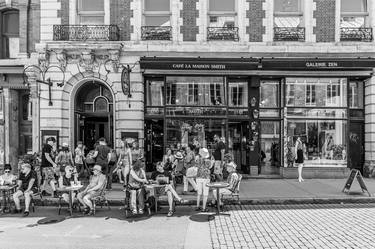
236,193
101,199
127,206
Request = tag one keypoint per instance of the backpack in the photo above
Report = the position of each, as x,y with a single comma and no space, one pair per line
113,158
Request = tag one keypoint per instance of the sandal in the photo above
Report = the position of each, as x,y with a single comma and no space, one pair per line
170,213
205,210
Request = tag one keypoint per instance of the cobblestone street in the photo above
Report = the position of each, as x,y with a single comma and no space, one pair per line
295,226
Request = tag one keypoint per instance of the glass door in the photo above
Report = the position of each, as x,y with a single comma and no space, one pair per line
237,141
270,148
356,150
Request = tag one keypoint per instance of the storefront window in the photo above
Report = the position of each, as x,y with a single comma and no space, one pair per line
270,143
154,92
185,131
201,91
238,94
325,141
316,92
269,94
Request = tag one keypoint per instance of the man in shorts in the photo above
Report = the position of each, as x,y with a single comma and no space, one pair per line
94,189
49,167
27,185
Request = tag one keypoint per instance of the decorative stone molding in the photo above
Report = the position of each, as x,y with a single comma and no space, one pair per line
87,60
43,59
61,57
114,56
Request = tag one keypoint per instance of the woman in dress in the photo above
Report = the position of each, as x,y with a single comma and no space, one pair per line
299,152
203,177
124,162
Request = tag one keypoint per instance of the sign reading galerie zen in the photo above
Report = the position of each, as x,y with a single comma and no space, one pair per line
322,64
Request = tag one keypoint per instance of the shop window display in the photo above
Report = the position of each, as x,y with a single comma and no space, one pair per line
270,143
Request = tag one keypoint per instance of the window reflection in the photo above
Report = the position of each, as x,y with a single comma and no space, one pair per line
269,94
238,94
356,94
154,92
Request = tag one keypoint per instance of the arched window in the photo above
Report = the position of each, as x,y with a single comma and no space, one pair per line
10,34
101,104
94,97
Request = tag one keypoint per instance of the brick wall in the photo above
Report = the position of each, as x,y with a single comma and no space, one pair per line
255,15
325,15
189,15
120,15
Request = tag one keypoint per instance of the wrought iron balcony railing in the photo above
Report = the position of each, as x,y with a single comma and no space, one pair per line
85,32
156,33
222,34
356,34
289,34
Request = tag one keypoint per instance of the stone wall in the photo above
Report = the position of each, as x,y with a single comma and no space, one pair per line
325,16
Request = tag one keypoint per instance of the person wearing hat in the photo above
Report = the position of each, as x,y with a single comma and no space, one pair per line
48,165
203,177
7,178
189,166
66,179
97,184
27,185
232,179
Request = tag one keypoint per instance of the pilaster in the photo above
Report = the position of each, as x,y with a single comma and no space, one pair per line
369,165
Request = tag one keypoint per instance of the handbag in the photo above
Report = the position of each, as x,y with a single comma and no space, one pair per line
192,172
89,158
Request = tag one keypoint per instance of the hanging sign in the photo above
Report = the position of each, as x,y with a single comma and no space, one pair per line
354,173
125,80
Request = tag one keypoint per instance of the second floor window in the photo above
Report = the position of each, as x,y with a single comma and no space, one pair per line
157,13
288,20
354,14
222,20
90,12
10,34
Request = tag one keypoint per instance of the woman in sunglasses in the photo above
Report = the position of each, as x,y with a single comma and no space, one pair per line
7,178
66,179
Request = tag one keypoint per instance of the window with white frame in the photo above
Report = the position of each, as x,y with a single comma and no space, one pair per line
354,14
157,13
333,94
310,95
288,13
222,13
90,12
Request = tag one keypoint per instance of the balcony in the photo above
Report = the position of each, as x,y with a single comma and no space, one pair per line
356,34
222,34
156,33
289,34
85,33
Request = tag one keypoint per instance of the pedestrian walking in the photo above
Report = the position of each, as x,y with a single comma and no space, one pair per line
299,152
102,155
49,167
203,178
79,157
124,162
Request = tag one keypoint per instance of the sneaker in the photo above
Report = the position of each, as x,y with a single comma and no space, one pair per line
205,210
134,212
197,209
90,212
26,213
170,213
86,210
140,211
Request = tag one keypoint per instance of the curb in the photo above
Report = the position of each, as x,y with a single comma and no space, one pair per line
295,201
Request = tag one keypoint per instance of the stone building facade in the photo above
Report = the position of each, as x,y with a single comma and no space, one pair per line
171,72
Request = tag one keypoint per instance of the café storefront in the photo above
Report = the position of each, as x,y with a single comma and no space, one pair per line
258,107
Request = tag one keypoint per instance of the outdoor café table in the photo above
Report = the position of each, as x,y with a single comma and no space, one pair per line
70,191
153,192
218,186
6,192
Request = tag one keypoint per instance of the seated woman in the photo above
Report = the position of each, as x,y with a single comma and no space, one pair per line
65,179
137,178
7,178
159,176
232,179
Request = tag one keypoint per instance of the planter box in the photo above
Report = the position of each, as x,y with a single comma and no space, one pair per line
315,172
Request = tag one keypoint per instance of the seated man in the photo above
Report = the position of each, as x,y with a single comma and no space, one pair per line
7,178
96,186
137,179
65,179
157,177
27,186
232,180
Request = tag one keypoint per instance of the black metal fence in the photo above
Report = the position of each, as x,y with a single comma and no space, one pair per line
85,32
289,34
222,33
356,34
156,33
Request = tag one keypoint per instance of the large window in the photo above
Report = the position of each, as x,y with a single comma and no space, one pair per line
10,34
91,11
200,91
356,94
154,92
222,13
354,14
157,13
238,94
288,20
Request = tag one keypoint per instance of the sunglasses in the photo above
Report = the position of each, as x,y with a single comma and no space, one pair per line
7,171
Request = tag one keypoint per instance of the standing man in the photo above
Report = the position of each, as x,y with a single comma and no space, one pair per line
219,150
27,186
103,156
49,167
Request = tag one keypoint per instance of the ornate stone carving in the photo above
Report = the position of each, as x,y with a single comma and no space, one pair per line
114,56
61,57
43,60
87,60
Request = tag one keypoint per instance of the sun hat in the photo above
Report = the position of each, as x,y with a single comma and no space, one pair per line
97,167
179,155
231,165
204,153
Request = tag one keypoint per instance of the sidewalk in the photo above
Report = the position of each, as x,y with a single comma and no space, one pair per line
273,191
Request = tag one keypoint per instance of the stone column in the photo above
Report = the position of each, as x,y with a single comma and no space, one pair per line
11,126
35,102
23,29
369,165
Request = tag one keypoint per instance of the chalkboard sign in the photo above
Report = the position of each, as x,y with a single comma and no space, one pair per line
354,173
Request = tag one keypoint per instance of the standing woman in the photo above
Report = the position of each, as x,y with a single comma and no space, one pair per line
64,157
124,161
168,160
203,177
189,164
299,152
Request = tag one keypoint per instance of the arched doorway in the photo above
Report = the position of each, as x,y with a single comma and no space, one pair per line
93,114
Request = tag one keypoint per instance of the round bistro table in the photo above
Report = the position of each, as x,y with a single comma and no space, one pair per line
218,186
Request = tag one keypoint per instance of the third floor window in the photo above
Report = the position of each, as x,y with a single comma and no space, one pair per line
157,13
288,20
222,20
354,21
90,11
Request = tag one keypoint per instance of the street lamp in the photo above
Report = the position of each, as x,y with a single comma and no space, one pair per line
43,72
